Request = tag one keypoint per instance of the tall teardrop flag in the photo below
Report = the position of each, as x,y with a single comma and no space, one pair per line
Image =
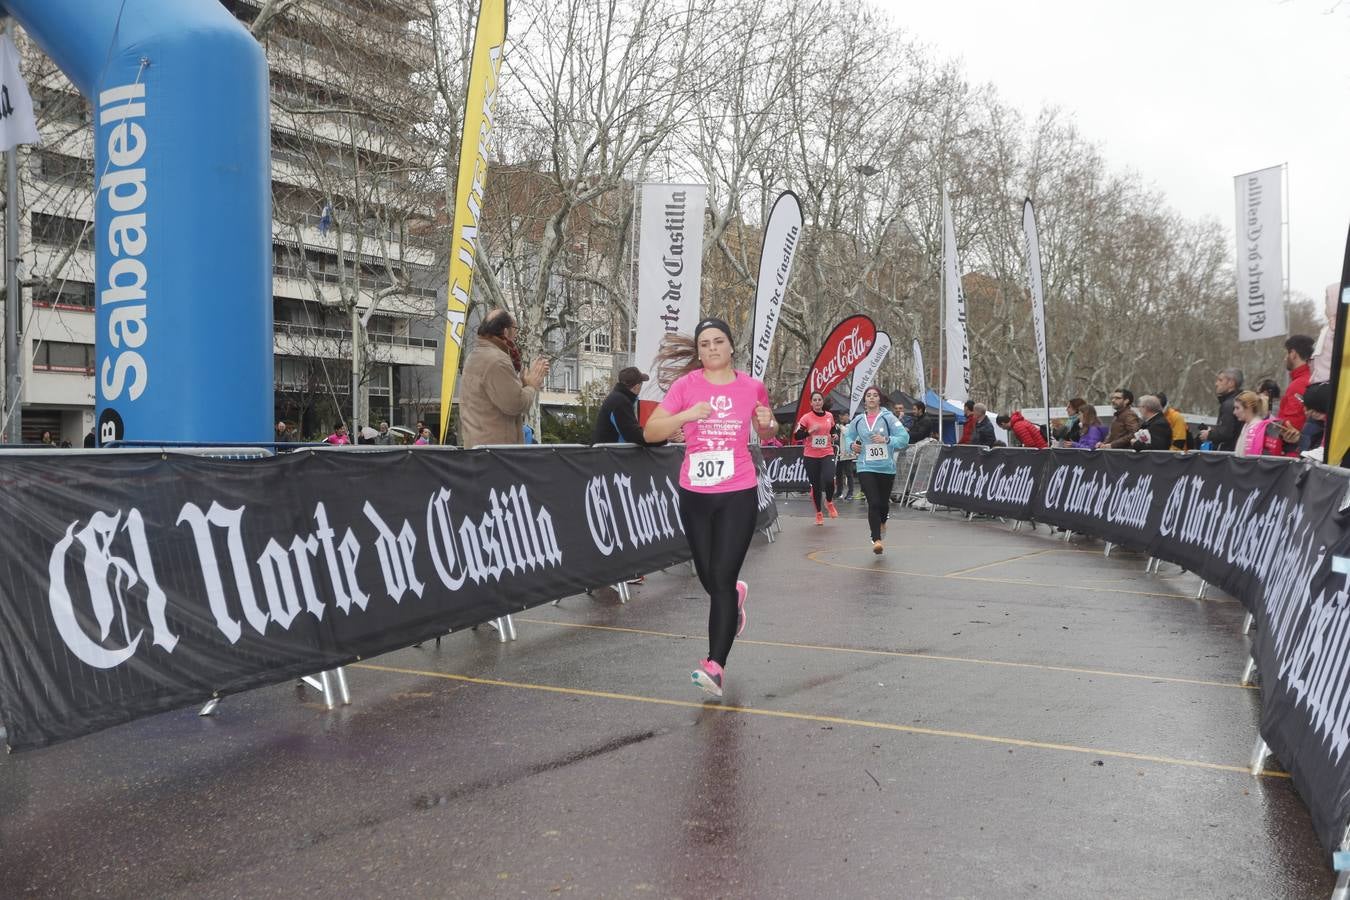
866,374
1338,422
920,381
957,382
1037,297
847,346
18,125
781,233
480,93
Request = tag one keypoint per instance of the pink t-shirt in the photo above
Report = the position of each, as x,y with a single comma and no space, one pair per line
717,449
818,429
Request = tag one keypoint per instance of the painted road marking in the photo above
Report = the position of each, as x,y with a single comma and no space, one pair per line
832,648
812,557
829,720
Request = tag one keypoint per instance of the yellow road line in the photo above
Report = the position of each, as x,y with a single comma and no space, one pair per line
831,720
998,562
1062,587
834,648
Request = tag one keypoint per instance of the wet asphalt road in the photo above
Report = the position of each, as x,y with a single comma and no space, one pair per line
977,713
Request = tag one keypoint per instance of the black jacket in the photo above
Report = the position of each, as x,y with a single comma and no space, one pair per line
1225,432
984,433
617,421
922,428
1159,432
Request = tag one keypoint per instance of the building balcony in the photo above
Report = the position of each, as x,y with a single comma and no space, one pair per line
405,249
59,386
319,342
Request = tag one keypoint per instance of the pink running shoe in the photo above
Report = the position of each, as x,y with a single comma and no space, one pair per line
742,591
708,676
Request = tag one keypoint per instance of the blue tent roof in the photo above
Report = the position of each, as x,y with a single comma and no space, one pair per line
930,400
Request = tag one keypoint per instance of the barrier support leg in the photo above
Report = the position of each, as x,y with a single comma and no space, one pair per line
1106,552
622,590
1260,753
1200,591
344,692
1247,624
1340,861
210,708
1249,672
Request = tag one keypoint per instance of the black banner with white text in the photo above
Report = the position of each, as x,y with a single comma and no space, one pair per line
137,583
1269,531
786,469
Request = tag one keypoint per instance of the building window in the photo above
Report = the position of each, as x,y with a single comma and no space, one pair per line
597,341
63,169
62,231
60,356
70,295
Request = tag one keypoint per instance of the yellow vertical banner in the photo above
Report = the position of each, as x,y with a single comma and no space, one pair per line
479,94
1338,424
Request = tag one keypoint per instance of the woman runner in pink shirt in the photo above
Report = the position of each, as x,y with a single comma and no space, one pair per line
715,406
816,428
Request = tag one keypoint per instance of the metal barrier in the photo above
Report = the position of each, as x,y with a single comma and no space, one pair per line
1250,675
923,458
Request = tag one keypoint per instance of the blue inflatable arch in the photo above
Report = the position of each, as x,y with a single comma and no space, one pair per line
182,221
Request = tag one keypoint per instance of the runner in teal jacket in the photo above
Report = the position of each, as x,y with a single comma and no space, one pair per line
877,435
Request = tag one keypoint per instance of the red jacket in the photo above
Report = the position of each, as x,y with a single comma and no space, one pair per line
1291,401
1028,434
968,429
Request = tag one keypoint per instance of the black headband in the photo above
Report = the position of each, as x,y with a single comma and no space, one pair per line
714,323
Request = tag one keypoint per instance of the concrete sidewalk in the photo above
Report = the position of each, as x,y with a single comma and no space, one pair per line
975,713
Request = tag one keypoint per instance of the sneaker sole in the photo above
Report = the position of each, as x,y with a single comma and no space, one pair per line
706,684
877,549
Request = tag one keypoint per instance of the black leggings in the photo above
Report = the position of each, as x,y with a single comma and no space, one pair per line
719,528
844,471
876,487
820,472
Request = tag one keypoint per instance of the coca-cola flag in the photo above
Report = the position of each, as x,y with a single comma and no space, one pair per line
866,374
845,348
781,234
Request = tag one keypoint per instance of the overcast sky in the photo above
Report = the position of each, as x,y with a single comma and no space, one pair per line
1188,93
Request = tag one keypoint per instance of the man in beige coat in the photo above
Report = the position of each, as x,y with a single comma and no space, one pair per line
493,394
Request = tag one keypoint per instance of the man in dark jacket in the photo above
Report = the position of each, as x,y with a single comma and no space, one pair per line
617,421
923,426
1156,432
1224,434
984,433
